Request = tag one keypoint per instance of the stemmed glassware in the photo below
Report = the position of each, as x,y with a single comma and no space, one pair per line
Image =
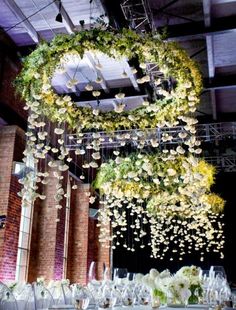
128,296
107,297
81,298
120,273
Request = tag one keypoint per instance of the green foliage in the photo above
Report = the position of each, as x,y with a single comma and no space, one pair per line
34,81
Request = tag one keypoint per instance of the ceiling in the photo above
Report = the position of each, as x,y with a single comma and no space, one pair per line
205,28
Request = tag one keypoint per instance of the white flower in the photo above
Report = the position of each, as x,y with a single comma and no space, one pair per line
99,80
165,274
143,65
46,87
95,112
182,135
89,87
171,172
180,150
153,273
132,174
138,277
145,103
118,160
96,93
58,131
63,167
154,143
93,164
119,108
62,111
120,96
131,118
92,199
96,155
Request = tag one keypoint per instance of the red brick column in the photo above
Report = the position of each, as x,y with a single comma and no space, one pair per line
11,148
78,241
47,243
97,252
103,254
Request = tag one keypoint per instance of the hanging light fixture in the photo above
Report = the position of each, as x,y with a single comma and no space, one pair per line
59,16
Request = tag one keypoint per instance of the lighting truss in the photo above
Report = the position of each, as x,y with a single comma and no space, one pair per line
212,132
139,14
225,162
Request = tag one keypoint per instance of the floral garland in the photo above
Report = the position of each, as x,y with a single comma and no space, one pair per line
34,82
171,192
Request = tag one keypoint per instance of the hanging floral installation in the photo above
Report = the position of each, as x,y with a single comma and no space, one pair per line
172,193
169,190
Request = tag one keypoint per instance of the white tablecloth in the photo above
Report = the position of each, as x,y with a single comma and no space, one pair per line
21,306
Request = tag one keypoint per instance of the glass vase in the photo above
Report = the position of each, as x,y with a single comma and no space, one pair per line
155,301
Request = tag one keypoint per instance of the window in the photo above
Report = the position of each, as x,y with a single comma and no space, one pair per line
67,225
25,233
24,243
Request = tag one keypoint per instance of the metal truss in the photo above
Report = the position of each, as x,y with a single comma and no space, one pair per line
212,132
139,14
225,162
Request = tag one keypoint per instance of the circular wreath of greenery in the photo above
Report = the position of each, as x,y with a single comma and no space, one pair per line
163,182
34,81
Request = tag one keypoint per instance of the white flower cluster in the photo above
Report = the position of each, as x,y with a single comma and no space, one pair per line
171,288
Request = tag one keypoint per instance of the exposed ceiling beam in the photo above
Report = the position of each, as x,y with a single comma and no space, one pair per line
191,31
109,100
210,53
92,65
130,75
209,39
70,27
213,104
220,82
129,92
222,1
24,21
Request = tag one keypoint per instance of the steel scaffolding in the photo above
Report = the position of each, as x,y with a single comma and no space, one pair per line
212,132
139,14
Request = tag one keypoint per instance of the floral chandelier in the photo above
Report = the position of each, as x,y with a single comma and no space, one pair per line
170,193
170,190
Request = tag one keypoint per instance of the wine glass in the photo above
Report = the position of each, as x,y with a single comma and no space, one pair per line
218,270
128,297
120,273
143,296
131,276
107,297
92,271
107,274
81,298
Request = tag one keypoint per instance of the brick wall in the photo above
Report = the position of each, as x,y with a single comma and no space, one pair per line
11,148
97,252
78,235
47,242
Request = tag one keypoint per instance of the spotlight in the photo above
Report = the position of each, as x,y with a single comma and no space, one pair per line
81,23
59,16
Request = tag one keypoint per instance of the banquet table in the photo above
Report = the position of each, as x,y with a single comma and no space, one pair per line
197,307
21,306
